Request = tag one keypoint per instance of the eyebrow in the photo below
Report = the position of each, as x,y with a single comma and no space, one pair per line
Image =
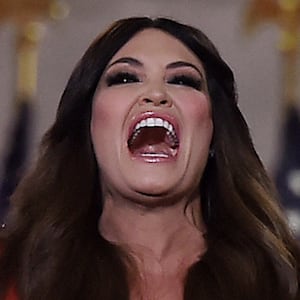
173,65
178,64
126,60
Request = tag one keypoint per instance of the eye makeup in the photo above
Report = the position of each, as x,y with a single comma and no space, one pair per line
121,77
184,64
126,70
186,80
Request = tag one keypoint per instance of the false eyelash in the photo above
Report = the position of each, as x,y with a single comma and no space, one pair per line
121,78
186,81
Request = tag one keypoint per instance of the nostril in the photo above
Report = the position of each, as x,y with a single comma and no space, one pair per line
155,101
147,100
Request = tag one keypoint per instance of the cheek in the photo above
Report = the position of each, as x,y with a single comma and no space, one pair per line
108,111
103,109
102,121
199,115
197,108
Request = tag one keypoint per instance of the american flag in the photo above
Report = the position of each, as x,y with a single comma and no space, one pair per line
15,158
288,174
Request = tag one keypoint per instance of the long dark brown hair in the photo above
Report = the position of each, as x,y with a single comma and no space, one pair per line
53,249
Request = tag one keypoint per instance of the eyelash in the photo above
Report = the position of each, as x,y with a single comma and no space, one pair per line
186,80
127,78
121,78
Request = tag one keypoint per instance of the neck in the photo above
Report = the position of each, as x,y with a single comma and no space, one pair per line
160,236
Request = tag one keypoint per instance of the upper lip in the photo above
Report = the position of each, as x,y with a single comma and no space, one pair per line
151,114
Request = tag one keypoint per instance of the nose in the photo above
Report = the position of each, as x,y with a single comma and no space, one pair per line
156,95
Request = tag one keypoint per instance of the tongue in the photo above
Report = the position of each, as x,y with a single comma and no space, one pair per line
160,149
153,142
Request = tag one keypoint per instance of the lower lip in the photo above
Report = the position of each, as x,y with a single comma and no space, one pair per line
154,158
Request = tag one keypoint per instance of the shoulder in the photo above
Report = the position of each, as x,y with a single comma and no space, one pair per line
11,294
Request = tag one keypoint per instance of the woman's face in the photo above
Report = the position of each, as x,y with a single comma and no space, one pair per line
151,121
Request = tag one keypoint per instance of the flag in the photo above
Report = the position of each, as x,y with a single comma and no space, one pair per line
15,157
288,174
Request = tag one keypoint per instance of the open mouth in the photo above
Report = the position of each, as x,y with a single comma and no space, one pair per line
153,138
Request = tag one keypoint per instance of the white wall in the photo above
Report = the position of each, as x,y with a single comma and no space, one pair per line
254,59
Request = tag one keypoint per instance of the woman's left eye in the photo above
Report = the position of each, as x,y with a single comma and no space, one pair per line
186,81
121,78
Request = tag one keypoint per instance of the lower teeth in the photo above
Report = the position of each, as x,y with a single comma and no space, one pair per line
163,155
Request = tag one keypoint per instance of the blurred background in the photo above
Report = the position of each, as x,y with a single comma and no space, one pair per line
258,39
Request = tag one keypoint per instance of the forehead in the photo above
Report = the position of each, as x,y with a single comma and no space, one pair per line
154,43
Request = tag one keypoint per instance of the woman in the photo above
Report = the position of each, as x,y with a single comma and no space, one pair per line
147,185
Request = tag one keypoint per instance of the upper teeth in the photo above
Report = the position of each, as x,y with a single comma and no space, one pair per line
155,122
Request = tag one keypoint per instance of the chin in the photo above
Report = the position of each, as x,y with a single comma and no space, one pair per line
156,185
156,193
149,199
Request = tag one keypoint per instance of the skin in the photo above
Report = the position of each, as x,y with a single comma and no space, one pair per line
144,200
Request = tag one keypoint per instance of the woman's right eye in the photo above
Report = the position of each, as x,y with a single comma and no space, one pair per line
121,78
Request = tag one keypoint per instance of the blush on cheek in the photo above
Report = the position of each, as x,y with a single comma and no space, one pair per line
109,106
99,125
99,113
104,122
199,107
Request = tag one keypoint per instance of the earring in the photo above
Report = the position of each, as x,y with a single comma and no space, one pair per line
208,209
211,153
